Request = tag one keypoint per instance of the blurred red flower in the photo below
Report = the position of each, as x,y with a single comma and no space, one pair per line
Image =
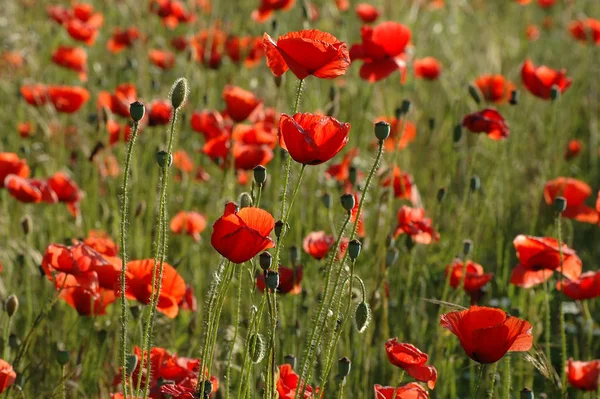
366,12
7,375
575,192
101,242
289,382
159,113
412,221
403,183
267,7
412,360
539,80
11,164
586,30
29,190
583,375
118,103
122,38
546,3
471,275
171,12
488,121
289,280
240,103
35,94
82,31
68,99
66,191
411,390
427,68
317,244
74,58
495,88
248,156
162,59
248,49
573,149
587,286
190,223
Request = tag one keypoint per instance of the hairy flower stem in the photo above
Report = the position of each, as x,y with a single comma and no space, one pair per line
561,315
399,383
235,333
478,381
492,388
254,324
507,378
123,244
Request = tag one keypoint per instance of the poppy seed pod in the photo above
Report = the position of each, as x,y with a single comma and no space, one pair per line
362,317
245,200
179,92
457,133
560,204
164,159
344,366
352,175
256,344
291,360
265,261
294,255
272,279
405,107
555,93
327,201
131,363
441,194
26,224
11,305
354,248
137,110
475,183
62,357
348,201
278,228
526,393
382,130
475,93
467,247
514,97
260,175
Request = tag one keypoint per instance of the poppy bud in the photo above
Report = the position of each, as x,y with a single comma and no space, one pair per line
256,343
271,279
382,130
404,107
390,241
245,200
294,255
137,111
260,175
408,242
131,363
326,198
560,204
467,247
291,360
457,133
354,249
475,94
179,92
362,317
344,366
526,393
277,80
475,183
140,208
265,260
208,387
278,228
11,304
352,175
164,159
26,224
441,194
348,201
431,122
62,357
514,97
554,93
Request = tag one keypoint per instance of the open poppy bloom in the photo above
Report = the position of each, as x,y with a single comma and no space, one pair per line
586,30
474,277
366,12
288,384
84,294
171,12
101,242
307,52
412,221
74,58
213,37
122,39
289,280
7,375
382,50
183,162
317,244
247,49
240,103
139,285
411,390
249,156
341,171
583,375
586,287
575,192
412,360
29,190
396,139
495,88
190,223
539,80
209,123
267,7
159,113
68,99
162,59
66,191
427,68
241,235
486,334
118,103
488,121
539,257
312,139
11,164
573,149
260,133
35,94
82,31
402,183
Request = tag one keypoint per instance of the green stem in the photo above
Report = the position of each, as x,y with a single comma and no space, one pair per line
561,315
547,323
478,381
235,333
123,244
507,377
5,338
492,388
398,383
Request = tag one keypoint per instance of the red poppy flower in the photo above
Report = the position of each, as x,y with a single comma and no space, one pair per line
122,38
25,130
179,43
307,52
317,244
7,375
586,30
182,161
427,68
411,359
249,49
411,390
162,59
76,260
249,156
101,242
546,3
532,33
488,121
289,382
190,223
367,12
66,191
209,123
189,301
289,280
28,190
159,113
139,285
486,334
11,164
58,13
403,184
117,133
474,277
312,139
257,134
540,80
83,294
241,235
539,257
586,287
575,192
74,58
267,7
382,49
118,103
573,149
583,375
35,94
240,103
171,12
342,5
213,37
217,149
85,13
81,31
495,88
412,221
68,99
408,135
341,171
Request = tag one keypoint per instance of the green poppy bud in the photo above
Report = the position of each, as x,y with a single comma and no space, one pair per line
11,304
179,92
441,194
475,93
362,317
245,200
348,201
272,279
137,111
265,260
62,357
327,201
344,366
294,255
354,248
514,97
164,159
382,130
457,133
475,183
526,393
257,347
260,175
555,93
467,247
278,228
131,363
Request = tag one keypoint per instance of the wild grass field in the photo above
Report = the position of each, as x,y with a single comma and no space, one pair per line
300,199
